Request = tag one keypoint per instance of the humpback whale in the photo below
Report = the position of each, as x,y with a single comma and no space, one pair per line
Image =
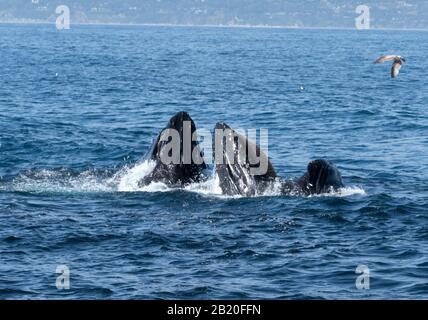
321,176
241,166
236,178
182,169
233,168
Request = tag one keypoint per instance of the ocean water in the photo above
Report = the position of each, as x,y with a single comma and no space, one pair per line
80,107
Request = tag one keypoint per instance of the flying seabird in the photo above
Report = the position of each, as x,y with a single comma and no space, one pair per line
396,65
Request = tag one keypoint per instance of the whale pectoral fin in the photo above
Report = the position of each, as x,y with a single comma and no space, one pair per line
241,166
321,176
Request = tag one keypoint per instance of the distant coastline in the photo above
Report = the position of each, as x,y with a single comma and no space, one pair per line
242,26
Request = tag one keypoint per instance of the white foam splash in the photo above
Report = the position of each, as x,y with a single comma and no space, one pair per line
350,191
210,187
61,181
275,189
343,192
127,179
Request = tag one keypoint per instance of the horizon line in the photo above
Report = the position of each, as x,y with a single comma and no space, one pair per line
243,26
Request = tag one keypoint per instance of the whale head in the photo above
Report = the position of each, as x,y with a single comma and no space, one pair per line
322,176
178,158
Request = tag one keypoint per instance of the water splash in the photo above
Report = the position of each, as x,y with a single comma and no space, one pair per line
343,192
60,181
126,180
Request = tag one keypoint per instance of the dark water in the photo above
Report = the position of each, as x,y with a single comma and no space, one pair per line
79,108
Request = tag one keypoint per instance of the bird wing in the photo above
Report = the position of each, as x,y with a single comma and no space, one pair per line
395,69
382,59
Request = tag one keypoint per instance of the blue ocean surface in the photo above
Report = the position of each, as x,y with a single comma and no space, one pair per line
79,108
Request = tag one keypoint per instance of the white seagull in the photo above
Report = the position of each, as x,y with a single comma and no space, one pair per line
396,65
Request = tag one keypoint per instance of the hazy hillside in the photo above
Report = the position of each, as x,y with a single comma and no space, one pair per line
299,13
